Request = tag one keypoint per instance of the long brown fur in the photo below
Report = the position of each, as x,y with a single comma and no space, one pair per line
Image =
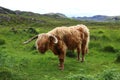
60,39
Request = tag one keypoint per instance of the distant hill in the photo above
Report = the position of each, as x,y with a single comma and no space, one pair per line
56,15
17,12
6,11
9,17
29,19
98,18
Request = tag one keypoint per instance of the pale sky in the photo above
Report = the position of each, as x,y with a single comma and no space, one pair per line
68,7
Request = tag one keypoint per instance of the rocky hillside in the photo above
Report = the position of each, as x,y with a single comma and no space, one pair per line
6,11
99,18
17,12
29,19
9,17
56,15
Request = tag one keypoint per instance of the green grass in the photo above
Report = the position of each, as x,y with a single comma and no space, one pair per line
22,62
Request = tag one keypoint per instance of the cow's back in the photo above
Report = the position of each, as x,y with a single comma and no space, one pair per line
70,36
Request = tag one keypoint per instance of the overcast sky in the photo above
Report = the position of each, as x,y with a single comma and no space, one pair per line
68,7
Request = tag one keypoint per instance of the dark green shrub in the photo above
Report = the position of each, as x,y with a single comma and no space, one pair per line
6,60
79,77
5,74
118,39
46,77
24,63
99,37
3,57
33,47
35,52
7,66
109,49
93,37
32,30
14,30
70,53
9,74
104,37
94,45
118,58
110,74
100,32
2,42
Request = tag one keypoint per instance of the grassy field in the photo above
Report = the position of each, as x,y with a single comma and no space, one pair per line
23,62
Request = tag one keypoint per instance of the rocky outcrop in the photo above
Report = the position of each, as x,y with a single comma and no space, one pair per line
6,11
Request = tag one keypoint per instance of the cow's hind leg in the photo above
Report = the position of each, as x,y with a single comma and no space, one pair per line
78,53
83,47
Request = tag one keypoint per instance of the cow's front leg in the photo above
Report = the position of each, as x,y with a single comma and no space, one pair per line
61,61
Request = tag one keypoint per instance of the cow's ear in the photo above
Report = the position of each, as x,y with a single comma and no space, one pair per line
53,39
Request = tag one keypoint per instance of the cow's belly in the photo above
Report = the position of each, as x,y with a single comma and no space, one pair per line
71,45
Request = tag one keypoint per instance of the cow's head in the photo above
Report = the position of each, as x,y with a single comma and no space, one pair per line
44,40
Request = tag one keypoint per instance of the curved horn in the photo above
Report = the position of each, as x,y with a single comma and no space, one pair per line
54,38
30,39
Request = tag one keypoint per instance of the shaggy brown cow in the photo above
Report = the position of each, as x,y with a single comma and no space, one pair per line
60,39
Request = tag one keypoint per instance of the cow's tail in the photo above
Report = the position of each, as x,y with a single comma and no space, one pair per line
87,42
30,39
87,39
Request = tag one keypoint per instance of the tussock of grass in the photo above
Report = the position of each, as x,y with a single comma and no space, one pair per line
105,38
109,48
118,58
31,30
100,37
96,45
109,74
71,54
2,42
79,77
9,74
100,32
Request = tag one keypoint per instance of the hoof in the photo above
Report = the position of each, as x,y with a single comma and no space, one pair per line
82,61
58,65
61,68
78,59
